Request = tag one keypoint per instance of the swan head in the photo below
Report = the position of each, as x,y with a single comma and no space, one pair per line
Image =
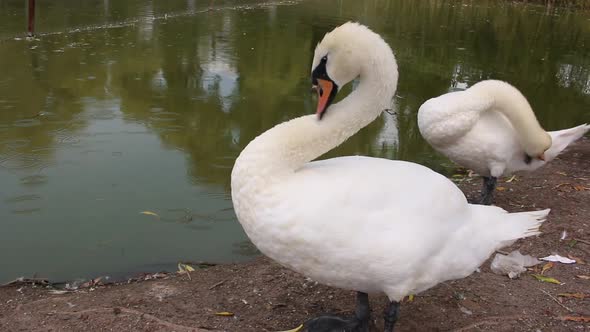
343,55
537,146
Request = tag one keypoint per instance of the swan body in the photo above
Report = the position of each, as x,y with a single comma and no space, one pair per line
370,232
360,223
491,129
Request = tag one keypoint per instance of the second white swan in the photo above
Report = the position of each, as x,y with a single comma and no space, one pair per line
491,129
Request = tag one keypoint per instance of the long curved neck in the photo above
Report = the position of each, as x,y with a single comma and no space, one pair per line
510,102
289,145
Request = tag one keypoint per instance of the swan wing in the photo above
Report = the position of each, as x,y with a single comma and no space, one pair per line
343,207
445,119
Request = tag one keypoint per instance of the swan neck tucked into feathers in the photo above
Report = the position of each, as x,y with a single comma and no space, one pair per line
512,104
289,145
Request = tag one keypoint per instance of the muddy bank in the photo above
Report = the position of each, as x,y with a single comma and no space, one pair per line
262,296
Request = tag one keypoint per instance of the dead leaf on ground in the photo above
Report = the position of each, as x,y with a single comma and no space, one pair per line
185,269
501,188
584,319
547,267
561,173
297,329
511,179
410,298
574,295
224,313
561,185
547,279
577,259
580,188
583,277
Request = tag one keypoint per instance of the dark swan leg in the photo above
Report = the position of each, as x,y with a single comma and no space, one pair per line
359,323
487,191
391,315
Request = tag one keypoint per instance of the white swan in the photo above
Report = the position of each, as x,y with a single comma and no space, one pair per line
491,129
359,223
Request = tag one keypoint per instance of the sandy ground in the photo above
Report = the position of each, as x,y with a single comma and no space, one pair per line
262,296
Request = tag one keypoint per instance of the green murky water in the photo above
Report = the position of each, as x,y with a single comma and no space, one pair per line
121,107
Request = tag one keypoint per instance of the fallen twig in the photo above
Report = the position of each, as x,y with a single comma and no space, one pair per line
576,318
26,281
582,241
556,300
488,321
117,310
562,184
217,284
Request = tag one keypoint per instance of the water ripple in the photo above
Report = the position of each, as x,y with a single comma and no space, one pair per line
22,198
33,180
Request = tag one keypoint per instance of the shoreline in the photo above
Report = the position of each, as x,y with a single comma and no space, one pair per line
571,4
259,295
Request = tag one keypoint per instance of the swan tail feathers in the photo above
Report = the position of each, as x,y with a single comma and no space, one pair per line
562,138
529,221
520,225
505,228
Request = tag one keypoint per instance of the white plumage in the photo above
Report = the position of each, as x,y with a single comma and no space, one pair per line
359,223
491,128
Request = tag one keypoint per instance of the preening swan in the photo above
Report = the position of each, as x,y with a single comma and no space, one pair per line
366,224
491,129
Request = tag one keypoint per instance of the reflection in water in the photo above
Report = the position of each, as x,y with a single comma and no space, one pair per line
219,77
572,76
146,22
146,107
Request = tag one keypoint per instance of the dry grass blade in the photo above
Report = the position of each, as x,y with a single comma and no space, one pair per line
582,241
556,300
217,284
574,295
584,319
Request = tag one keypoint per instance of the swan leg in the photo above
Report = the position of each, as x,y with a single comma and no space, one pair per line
487,191
359,323
390,316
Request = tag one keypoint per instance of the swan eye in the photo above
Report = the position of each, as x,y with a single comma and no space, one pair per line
324,58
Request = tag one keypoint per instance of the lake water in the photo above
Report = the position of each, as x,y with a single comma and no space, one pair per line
124,107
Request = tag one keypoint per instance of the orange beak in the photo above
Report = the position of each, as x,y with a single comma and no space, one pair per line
324,90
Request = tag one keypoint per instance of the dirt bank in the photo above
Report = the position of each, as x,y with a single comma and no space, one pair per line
265,297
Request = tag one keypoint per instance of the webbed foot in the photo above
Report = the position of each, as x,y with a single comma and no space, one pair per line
336,324
358,323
